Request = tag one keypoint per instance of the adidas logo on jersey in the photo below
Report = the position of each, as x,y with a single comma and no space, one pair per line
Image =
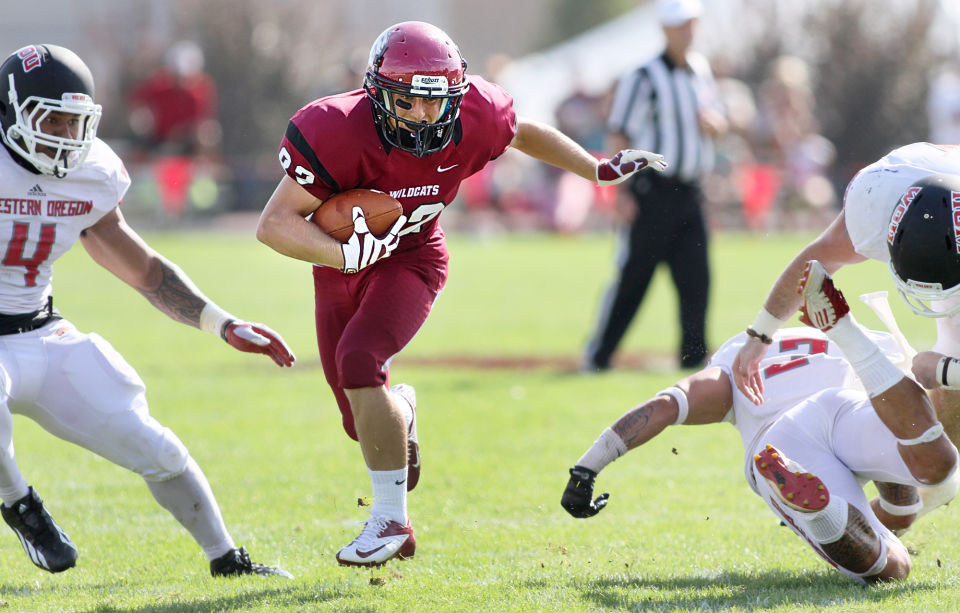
36,190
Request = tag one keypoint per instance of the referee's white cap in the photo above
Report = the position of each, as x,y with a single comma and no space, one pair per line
677,12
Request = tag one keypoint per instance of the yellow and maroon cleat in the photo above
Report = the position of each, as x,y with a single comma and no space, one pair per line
801,491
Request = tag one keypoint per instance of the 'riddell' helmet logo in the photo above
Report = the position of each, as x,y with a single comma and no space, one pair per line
900,211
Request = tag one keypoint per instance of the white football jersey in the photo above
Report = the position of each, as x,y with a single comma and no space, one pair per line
41,217
799,363
872,195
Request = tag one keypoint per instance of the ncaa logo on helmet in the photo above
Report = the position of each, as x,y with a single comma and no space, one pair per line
29,57
899,212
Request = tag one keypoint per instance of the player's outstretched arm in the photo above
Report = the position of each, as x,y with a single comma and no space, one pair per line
702,398
834,250
553,147
117,247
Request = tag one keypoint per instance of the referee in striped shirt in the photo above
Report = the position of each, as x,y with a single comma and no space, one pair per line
668,105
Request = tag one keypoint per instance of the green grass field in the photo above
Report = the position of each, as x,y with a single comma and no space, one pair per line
682,531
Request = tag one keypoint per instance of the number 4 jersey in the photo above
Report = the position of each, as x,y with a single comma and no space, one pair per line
41,217
333,144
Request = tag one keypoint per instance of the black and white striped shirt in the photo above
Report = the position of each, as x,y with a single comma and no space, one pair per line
657,108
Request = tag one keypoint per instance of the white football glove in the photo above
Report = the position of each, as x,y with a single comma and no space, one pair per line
625,163
363,248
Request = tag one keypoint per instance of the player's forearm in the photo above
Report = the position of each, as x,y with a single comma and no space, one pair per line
783,300
643,422
549,145
174,294
300,239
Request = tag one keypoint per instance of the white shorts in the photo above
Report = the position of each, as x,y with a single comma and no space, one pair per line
837,436
78,388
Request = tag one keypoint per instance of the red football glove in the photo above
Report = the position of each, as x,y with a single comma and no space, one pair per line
363,248
625,163
257,338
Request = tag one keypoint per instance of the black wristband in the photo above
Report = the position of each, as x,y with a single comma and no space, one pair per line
223,330
763,338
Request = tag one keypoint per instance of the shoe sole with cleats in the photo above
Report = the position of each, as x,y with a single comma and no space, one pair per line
801,491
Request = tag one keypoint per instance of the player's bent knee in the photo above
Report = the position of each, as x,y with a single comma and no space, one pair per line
170,458
359,368
933,463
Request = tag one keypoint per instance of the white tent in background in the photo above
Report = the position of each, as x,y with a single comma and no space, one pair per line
591,61
594,60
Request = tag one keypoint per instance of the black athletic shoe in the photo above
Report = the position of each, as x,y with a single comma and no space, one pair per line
237,562
46,544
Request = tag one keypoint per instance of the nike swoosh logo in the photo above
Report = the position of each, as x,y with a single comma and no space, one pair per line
367,554
442,169
400,482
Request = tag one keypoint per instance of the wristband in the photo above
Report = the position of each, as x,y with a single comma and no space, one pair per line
948,373
763,338
214,320
766,324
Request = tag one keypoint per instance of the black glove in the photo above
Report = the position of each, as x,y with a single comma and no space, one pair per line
578,497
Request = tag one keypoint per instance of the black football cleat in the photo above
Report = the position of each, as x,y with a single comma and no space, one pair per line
46,544
237,562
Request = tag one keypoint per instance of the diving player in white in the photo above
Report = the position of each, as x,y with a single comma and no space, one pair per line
60,183
837,412
901,210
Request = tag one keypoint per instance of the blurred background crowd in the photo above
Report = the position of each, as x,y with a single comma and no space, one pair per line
196,95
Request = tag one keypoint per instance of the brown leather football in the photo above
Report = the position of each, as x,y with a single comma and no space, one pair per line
335,215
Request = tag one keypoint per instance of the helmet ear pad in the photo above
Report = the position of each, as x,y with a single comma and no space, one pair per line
924,241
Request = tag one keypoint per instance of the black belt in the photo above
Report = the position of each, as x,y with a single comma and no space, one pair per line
25,322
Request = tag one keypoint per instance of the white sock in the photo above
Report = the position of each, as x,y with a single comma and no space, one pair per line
390,494
607,448
13,486
16,492
875,370
830,523
190,500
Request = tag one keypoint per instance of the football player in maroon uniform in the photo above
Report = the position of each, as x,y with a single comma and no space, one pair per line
416,129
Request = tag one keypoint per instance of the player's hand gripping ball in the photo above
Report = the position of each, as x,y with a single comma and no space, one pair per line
335,215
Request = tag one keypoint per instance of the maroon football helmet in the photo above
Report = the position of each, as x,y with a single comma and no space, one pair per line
415,59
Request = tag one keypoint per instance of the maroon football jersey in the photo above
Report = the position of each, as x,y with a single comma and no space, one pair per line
333,144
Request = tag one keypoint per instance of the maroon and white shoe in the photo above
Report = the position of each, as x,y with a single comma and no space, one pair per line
799,490
380,540
413,445
823,304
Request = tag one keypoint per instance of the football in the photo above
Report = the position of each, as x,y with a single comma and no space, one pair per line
335,215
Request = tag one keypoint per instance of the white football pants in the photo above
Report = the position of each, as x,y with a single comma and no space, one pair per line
80,389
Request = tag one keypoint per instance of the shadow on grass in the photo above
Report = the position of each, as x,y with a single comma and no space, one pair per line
745,591
297,597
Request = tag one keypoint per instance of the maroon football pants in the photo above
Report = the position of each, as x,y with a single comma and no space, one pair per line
365,319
